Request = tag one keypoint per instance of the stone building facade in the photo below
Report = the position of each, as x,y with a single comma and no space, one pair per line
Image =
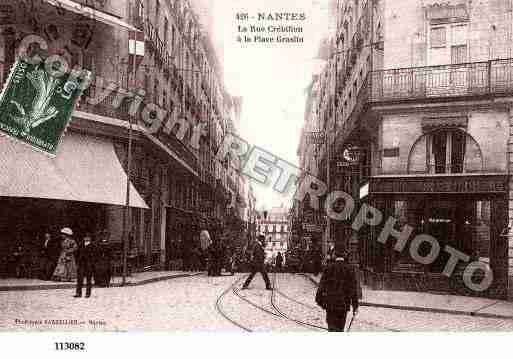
421,92
158,51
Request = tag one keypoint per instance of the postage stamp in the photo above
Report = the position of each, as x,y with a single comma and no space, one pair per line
37,102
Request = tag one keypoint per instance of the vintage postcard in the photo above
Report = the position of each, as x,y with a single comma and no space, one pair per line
256,166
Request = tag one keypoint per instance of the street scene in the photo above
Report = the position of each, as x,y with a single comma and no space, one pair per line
256,166
202,303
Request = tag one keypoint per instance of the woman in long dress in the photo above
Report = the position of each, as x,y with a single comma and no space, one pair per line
66,270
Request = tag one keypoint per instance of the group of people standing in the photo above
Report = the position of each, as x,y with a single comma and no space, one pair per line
218,254
68,259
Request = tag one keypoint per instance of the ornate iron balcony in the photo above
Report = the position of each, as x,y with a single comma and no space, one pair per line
432,82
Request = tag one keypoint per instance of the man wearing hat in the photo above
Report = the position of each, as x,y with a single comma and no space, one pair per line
257,264
337,292
87,257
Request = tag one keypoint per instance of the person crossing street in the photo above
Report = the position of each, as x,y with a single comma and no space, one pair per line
258,265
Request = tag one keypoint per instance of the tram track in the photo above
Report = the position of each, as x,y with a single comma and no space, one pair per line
276,311
221,310
287,316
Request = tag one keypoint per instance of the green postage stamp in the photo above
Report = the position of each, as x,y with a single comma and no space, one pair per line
37,102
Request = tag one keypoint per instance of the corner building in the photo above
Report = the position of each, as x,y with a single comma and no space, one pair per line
424,92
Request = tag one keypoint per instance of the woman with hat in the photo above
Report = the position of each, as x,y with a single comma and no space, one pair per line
66,270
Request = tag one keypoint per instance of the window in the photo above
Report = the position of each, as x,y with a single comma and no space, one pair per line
459,54
447,151
439,151
438,37
459,35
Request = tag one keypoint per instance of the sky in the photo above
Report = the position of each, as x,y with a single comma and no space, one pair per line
271,78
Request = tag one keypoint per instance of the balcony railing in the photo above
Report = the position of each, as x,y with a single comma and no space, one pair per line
462,80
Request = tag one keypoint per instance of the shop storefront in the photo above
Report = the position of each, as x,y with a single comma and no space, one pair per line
83,188
467,213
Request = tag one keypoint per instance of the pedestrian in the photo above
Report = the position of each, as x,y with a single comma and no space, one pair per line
218,256
205,243
338,292
103,264
257,264
66,269
230,260
330,256
52,248
18,256
87,256
211,261
317,260
279,262
195,257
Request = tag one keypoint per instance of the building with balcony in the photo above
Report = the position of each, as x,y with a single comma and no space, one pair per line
422,92
176,189
275,229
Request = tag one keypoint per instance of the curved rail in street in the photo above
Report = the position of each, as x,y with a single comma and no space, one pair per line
275,306
220,309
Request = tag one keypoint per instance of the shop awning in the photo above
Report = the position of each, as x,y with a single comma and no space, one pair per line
85,169
91,13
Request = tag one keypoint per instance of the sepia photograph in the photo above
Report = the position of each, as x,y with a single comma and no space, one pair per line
256,166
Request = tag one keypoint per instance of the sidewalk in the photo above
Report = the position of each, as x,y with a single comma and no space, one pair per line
134,280
434,303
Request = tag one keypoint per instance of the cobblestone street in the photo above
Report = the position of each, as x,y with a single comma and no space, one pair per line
189,304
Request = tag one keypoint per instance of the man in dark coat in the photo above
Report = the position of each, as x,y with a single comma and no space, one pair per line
279,262
337,292
257,264
103,264
86,258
